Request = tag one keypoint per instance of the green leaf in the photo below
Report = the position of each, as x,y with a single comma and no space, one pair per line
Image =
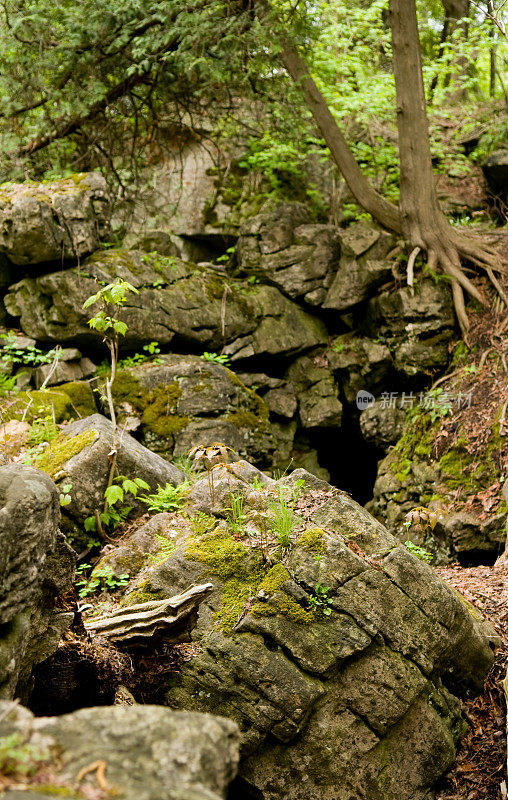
90,301
130,486
113,494
120,327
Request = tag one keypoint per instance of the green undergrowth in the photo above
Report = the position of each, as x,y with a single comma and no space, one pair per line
459,469
35,403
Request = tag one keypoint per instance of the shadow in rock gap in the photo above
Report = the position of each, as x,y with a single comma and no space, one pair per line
351,461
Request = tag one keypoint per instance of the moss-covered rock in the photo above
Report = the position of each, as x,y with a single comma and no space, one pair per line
32,404
43,222
80,457
183,401
418,473
175,298
324,691
81,397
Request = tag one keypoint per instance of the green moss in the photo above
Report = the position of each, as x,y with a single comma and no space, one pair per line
202,523
245,419
143,593
160,415
403,469
238,567
62,449
159,407
236,593
255,414
127,388
39,403
313,540
280,602
81,397
224,556
214,287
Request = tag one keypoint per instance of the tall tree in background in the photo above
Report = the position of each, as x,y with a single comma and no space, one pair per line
419,217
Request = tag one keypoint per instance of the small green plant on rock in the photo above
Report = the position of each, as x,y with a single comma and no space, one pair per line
65,496
30,356
116,510
216,358
7,384
319,601
19,758
167,498
151,349
44,429
102,579
237,516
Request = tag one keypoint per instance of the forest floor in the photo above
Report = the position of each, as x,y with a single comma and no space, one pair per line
479,773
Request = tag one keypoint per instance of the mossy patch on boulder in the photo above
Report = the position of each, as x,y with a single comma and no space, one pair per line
30,405
62,449
313,540
81,397
279,601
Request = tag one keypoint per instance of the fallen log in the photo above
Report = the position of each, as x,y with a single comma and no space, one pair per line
171,620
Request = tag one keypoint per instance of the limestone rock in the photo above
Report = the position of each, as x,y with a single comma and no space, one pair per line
317,392
382,426
350,693
363,266
79,456
177,755
410,475
35,565
185,401
47,222
418,325
358,363
282,247
70,367
175,299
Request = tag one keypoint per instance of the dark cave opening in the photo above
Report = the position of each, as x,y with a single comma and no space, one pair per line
351,461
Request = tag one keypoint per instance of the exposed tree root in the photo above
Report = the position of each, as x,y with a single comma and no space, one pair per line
447,252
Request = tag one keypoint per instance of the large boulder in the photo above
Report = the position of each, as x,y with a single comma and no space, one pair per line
41,222
416,322
442,472
80,456
146,753
283,247
340,658
363,265
35,565
176,300
184,401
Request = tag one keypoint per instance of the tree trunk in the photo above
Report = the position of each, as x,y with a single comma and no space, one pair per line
423,223
365,194
419,217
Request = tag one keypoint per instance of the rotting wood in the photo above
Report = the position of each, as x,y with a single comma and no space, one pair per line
172,619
